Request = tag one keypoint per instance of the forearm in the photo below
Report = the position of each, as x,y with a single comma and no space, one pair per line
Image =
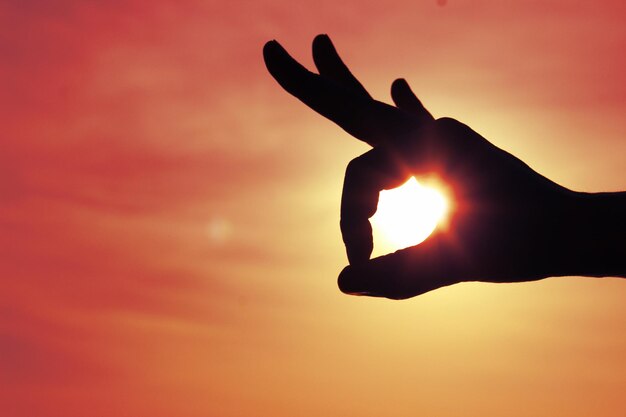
593,236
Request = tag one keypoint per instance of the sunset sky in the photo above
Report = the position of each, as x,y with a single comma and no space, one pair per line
169,217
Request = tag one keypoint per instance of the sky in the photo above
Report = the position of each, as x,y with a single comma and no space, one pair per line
169,240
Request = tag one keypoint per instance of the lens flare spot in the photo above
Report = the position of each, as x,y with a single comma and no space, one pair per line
219,230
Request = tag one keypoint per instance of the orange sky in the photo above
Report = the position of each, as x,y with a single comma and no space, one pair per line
169,238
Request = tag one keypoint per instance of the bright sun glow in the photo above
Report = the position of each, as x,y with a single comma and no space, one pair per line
406,216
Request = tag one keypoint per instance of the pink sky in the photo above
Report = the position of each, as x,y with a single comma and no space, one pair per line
169,216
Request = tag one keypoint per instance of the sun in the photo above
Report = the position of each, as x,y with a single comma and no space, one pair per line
406,216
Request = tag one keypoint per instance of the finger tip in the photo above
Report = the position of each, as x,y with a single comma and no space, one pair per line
271,47
346,281
352,281
321,42
321,38
270,44
276,58
399,83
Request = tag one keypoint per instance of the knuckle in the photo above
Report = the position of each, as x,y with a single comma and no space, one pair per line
358,164
353,166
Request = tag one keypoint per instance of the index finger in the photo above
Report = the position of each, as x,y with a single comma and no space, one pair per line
366,175
366,119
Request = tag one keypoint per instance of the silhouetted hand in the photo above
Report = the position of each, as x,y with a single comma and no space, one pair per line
508,224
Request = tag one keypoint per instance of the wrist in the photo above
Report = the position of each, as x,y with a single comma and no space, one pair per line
589,235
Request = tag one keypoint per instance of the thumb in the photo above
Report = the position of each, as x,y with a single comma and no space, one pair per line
385,276
399,275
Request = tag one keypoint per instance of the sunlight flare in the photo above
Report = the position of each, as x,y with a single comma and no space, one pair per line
406,216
